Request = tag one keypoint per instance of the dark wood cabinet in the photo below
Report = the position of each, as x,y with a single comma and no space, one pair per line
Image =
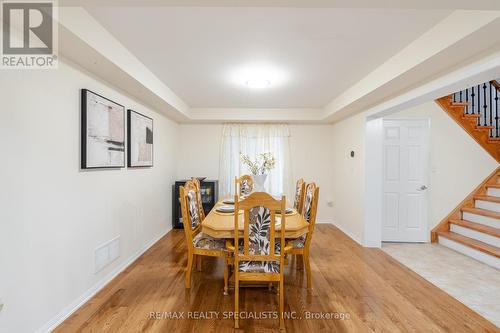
209,196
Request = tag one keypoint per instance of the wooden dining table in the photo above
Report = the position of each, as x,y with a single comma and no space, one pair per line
221,225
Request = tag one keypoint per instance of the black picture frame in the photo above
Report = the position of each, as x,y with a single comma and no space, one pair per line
130,140
85,93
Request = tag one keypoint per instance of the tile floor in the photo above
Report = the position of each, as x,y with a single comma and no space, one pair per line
471,282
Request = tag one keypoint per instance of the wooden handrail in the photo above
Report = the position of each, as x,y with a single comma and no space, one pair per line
495,84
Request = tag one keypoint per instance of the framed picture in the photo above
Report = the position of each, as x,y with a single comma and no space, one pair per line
140,140
103,132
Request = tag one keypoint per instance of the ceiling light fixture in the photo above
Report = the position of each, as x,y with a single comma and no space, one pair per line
258,76
258,83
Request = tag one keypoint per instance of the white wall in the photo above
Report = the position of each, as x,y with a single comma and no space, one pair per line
310,150
348,175
52,215
457,163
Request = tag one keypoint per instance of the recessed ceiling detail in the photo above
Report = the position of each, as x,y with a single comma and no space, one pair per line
314,53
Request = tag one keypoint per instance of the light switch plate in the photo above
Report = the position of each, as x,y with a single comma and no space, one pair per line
1,305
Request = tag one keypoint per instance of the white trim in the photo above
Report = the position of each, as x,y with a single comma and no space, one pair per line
373,183
470,252
76,304
474,234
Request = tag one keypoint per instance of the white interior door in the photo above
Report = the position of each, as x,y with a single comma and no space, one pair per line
405,169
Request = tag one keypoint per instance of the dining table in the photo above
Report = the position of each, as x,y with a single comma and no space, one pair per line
221,225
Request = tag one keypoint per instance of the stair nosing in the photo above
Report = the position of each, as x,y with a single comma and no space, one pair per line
487,198
472,243
482,228
483,212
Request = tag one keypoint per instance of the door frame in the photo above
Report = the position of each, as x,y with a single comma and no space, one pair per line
374,189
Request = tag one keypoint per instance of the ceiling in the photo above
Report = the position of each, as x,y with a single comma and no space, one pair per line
317,52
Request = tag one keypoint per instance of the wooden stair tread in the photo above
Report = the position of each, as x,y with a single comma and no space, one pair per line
460,103
487,198
478,227
493,185
470,116
481,128
482,212
472,243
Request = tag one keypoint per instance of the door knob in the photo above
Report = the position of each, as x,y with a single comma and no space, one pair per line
422,188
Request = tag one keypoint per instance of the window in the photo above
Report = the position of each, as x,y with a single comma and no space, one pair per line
253,140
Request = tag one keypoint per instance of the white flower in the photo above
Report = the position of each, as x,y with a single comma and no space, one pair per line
263,164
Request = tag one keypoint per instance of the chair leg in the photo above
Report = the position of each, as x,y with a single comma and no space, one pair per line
282,304
188,270
308,269
198,263
226,276
236,302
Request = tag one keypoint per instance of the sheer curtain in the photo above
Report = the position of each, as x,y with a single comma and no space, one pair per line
253,139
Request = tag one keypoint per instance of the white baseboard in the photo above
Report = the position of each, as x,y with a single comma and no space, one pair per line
75,305
348,233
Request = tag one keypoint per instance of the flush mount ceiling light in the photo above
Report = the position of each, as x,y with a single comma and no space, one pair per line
258,76
258,83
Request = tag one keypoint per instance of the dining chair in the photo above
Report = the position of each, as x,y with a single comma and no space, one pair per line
198,243
196,182
257,258
243,185
301,245
298,203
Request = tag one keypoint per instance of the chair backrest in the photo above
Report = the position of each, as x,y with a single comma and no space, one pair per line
298,203
259,225
190,210
310,208
243,185
196,182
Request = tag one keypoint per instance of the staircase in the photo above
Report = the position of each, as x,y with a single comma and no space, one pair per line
476,110
473,227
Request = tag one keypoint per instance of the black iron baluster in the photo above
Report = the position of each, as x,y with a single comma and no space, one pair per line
496,111
491,110
485,106
479,104
472,95
467,101
461,100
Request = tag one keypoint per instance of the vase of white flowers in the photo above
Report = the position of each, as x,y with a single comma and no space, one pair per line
260,168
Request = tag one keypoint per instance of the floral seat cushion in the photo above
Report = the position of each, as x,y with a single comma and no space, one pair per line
193,209
246,187
206,242
298,190
259,266
277,246
299,243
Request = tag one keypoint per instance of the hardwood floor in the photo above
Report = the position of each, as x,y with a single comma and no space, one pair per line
376,292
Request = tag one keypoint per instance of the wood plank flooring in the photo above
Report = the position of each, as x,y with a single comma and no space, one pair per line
375,293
